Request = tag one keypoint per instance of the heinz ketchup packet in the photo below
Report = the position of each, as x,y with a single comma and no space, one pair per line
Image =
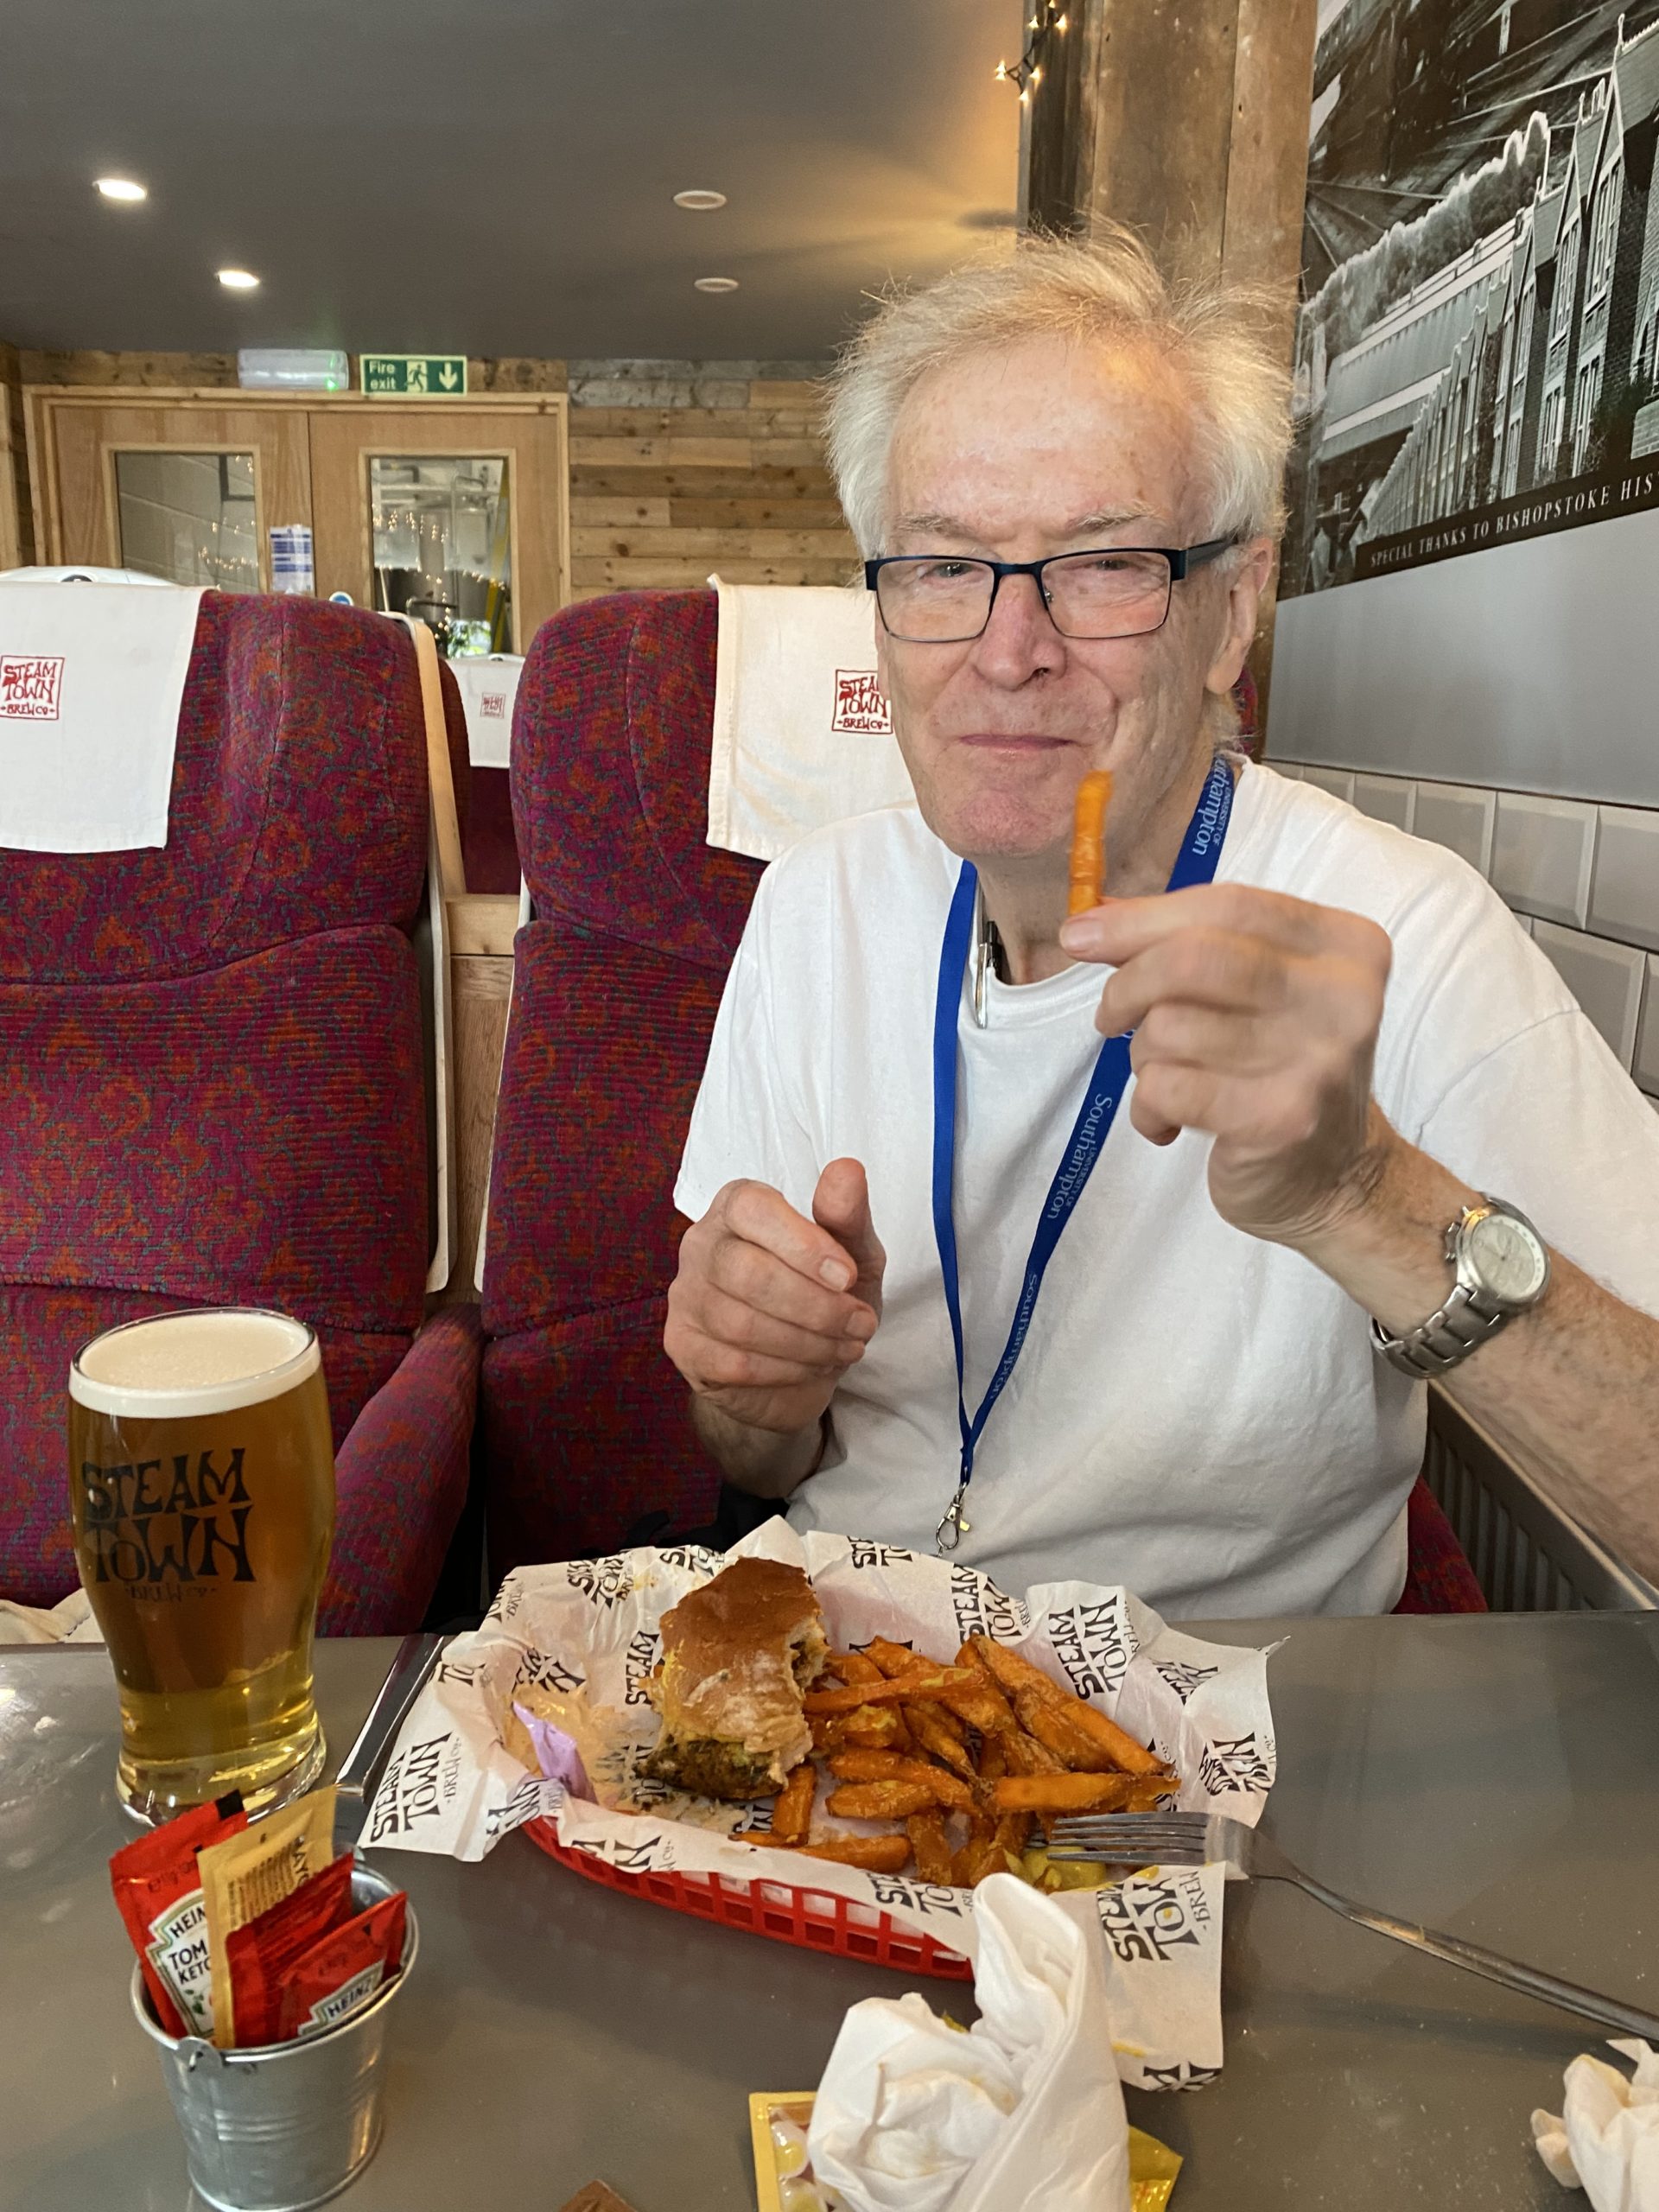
158,1893
261,1952
342,1970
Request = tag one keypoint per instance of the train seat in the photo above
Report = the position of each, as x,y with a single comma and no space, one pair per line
618,978
214,1088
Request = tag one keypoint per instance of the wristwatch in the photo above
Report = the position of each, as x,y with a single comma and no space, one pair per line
1502,1268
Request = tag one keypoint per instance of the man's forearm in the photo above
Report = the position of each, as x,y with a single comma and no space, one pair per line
759,1460
1570,1389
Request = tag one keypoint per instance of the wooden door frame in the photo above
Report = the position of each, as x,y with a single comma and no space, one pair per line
42,402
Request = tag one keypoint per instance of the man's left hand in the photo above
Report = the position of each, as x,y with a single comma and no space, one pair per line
1255,1018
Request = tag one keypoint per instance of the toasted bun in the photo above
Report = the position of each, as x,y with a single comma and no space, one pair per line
735,1656
754,1602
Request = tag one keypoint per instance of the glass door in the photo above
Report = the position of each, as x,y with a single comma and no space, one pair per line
441,525
451,512
188,517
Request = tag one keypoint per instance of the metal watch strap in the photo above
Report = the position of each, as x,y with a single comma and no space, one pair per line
1446,1338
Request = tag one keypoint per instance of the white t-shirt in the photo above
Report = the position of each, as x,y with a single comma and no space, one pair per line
1196,1413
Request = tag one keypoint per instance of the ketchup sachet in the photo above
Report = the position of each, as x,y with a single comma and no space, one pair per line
342,1970
158,1893
262,1951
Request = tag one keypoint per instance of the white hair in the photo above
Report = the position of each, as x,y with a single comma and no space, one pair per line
1217,336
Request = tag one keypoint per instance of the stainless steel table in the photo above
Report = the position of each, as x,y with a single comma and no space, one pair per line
1498,1776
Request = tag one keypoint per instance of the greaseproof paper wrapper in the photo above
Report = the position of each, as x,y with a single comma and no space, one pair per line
584,1636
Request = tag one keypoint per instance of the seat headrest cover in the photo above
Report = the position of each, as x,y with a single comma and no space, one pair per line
298,804
611,734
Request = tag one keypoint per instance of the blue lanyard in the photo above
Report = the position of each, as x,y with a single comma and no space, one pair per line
1200,851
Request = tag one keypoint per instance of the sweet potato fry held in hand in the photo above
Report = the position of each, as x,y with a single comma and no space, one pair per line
1087,887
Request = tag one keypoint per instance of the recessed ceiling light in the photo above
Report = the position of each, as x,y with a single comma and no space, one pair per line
700,202
121,188
715,284
238,280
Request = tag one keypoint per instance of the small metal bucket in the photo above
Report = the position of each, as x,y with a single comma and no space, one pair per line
288,2125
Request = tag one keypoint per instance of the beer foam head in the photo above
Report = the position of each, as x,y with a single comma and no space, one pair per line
206,1360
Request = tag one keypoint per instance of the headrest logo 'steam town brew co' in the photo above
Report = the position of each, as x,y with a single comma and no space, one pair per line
202,1481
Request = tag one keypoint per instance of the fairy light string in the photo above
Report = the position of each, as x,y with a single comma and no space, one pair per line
1048,22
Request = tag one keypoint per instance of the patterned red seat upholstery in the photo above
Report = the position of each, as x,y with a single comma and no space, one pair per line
214,1091
617,982
483,804
615,987
454,732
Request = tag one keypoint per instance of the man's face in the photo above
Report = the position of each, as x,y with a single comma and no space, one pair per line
1013,456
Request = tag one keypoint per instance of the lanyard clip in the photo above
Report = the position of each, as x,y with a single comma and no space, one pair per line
954,1524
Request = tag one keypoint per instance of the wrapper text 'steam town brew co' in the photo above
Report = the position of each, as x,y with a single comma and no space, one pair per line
202,1483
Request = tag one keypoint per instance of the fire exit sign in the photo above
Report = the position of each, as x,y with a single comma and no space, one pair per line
440,375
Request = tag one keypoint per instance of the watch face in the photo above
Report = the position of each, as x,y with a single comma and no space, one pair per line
1507,1258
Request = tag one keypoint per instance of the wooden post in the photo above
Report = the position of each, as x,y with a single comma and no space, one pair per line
16,536
1187,119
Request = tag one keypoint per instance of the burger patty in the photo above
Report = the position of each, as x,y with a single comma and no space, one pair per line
712,1766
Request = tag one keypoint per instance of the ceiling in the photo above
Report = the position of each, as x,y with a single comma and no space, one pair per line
493,176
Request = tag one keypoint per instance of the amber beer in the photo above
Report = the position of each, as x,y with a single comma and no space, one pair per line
202,1481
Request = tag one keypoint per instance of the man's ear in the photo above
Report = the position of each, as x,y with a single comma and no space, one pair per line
1246,580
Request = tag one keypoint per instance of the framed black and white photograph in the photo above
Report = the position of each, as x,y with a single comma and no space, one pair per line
1475,369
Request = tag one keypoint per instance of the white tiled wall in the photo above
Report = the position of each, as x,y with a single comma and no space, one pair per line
1542,853
1583,878
1388,798
1624,897
1460,816
1606,979
1340,782
1646,1068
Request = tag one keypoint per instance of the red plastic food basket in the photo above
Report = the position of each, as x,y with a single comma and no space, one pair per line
813,1920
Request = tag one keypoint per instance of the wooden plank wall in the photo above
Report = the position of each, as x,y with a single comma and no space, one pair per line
1187,119
677,468
16,527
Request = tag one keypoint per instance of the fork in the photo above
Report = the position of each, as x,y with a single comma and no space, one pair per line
1198,1839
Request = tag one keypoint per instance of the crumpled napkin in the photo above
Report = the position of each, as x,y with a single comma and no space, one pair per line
70,1621
1606,2141
1022,2112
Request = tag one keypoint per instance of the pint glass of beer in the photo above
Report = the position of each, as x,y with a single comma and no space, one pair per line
202,1482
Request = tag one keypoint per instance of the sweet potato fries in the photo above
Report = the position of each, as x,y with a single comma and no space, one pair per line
961,1757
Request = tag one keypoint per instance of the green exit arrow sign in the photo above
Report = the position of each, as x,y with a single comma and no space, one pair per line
442,376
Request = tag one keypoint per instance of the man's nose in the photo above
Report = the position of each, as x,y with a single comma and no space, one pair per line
1019,640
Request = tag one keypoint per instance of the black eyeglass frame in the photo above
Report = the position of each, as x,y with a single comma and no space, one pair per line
1182,560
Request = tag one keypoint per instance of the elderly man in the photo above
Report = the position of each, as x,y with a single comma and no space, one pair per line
1156,1310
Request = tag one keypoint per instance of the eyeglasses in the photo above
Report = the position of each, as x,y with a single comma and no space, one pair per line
1119,591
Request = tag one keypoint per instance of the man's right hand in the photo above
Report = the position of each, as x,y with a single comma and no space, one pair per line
769,1310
